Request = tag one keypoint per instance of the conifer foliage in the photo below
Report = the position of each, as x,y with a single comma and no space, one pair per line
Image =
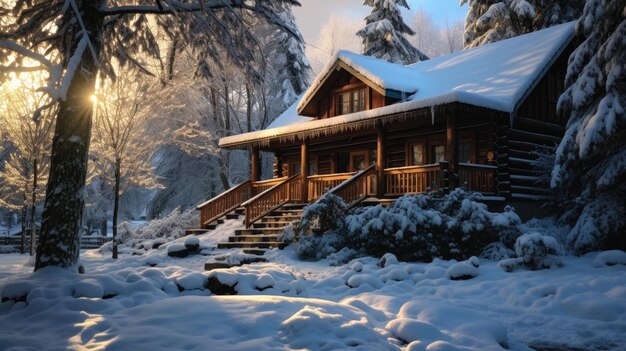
489,21
383,34
590,170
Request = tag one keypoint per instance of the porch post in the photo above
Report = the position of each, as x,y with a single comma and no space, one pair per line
304,169
452,147
381,161
278,165
255,164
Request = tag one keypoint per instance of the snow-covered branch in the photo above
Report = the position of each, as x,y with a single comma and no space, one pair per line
13,46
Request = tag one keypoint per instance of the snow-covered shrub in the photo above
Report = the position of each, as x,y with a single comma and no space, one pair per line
322,229
156,232
496,251
420,227
342,256
534,251
328,213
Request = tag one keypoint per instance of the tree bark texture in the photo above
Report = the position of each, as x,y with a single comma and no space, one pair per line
33,229
116,203
59,243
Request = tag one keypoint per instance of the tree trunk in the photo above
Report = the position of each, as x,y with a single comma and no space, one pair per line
116,203
65,194
33,227
24,210
248,108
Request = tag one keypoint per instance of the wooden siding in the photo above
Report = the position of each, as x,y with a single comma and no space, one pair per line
540,104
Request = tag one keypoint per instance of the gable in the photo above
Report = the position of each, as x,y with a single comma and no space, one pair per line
343,73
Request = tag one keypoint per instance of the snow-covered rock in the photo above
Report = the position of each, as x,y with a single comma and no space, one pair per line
177,250
192,243
464,270
610,258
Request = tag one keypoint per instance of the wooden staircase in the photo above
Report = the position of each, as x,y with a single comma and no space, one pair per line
266,232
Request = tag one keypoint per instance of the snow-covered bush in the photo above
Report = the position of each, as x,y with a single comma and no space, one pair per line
496,251
328,213
322,229
414,227
156,232
534,251
421,227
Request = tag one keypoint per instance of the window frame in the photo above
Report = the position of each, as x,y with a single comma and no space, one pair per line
350,90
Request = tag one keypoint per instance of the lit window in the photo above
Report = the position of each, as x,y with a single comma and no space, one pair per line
351,101
417,154
437,154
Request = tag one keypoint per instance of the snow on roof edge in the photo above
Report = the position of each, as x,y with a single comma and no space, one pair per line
459,96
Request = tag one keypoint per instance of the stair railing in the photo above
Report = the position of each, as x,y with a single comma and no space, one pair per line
354,189
259,206
224,203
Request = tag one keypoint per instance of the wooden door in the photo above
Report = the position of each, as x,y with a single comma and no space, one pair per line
359,160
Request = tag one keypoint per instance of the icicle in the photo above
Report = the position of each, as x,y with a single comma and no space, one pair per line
432,114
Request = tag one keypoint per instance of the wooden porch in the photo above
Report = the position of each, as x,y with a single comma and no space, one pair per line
259,198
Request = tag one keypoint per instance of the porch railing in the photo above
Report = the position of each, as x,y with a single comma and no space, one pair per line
320,184
412,179
224,203
288,190
263,185
476,177
356,188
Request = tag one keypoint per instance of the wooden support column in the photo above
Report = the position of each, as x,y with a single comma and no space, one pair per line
255,164
304,169
452,149
278,165
381,161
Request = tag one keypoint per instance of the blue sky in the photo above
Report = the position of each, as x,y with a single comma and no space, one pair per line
313,13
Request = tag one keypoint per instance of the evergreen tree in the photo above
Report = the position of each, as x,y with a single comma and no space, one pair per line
489,21
590,169
383,34
287,51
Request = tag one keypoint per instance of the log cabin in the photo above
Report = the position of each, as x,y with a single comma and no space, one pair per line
370,130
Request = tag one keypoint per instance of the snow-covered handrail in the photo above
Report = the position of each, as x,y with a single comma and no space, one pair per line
273,198
224,203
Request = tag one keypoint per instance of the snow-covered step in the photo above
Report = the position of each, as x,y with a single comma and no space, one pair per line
272,224
251,245
254,238
196,231
259,231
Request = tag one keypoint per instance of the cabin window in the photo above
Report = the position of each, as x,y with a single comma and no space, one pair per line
465,152
417,154
437,153
313,166
351,101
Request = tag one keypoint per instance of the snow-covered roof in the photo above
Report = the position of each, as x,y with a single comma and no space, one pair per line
289,116
497,76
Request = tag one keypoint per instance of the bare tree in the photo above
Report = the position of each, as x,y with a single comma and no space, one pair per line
28,121
74,41
122,146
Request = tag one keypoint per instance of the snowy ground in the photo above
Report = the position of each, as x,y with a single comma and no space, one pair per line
289,304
